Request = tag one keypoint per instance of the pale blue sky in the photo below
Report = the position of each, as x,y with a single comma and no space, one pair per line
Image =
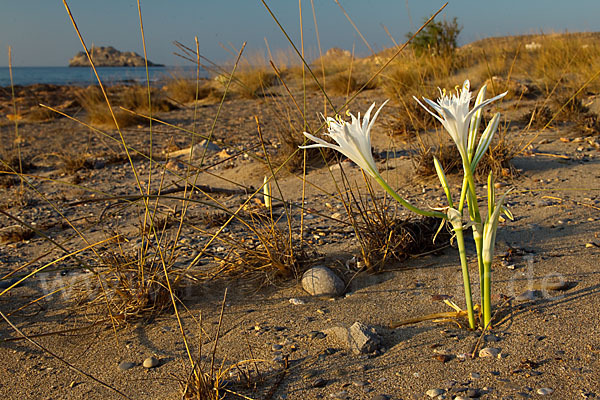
40,33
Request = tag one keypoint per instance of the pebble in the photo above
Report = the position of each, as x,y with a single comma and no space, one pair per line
360,383
316,335
339,395
125,365
320,280
528,295
489,352
435,392
276,347
544,391
295,301
473,393
381,397
151,362
319,383
491,338
475,375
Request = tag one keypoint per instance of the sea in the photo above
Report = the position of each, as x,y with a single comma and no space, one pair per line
84,76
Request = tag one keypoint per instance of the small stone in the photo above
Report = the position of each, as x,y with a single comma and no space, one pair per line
381,397
316,335
276,347
475,375
311,373
360,383
473,393
489,352
461,398
528,295
125,365
319,383
295,301
339,395
151,362
435,392
359,338
321,281
544,391
491,338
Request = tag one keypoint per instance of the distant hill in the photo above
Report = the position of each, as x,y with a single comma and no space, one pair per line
110,57
513,40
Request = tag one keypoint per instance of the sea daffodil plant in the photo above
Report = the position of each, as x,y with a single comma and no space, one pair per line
463,125
353,139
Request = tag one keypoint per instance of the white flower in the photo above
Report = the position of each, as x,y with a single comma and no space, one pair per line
455,116
353,139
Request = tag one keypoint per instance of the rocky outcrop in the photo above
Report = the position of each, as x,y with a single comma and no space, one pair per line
110,57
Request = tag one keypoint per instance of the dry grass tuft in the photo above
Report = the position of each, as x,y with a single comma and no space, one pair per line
288,152
70,163
15,234
448,156
11,163
250,82
389,239
498,159
267,255
133,287
186,91
134,98
342,84
39,114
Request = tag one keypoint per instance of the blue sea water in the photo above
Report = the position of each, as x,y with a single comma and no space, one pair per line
83,76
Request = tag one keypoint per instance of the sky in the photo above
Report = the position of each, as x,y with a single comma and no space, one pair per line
40,32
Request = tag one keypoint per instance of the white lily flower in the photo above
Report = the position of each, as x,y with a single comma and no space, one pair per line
353,139
454,114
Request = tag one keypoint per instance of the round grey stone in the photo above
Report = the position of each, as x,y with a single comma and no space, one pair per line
125,365
276,347
321,281
151,362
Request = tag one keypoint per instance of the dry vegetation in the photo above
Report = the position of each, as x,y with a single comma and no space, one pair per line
265,247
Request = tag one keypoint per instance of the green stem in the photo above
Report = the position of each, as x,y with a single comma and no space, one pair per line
473,206
465,273
463,193
479,247
484,282
487,291
405,203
